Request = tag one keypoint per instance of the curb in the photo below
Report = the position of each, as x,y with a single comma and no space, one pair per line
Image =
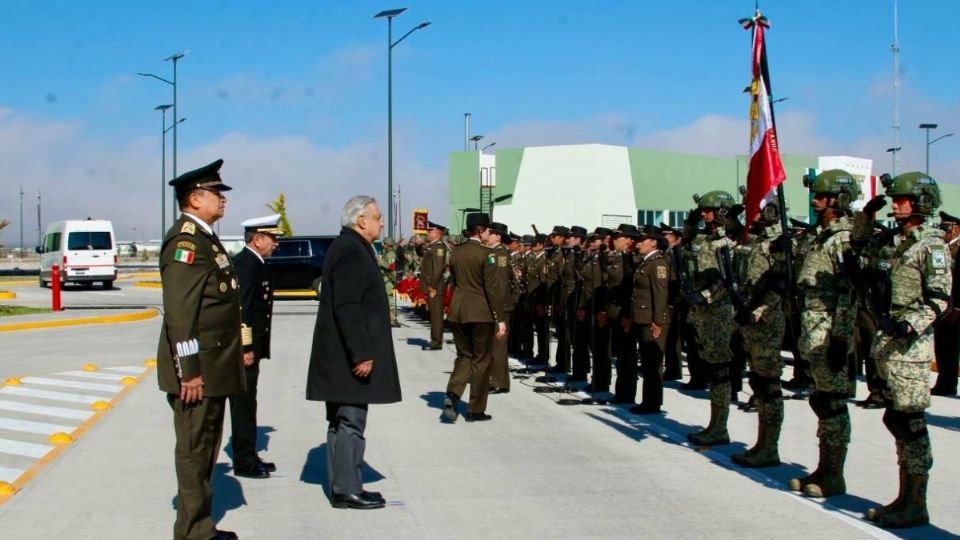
80,321
7,295
124,277
148,284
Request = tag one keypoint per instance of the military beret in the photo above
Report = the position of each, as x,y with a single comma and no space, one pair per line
265,224
947,218
560,230
578,231
501,229
477,219
206,177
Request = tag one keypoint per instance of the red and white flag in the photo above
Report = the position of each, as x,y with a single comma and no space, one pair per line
765,172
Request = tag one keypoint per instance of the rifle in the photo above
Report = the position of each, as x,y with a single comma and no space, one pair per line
725,264
683,273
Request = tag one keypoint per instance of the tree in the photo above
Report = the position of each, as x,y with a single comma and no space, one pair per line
279,206
3,223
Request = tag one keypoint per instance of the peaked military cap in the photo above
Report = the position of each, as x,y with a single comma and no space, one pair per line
578,231
265,224
602,231
206,177
628,230
500,229
432,225
666,229
559,230
540,238
478,219
947,218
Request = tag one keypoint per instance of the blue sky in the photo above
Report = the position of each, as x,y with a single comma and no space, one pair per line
293,94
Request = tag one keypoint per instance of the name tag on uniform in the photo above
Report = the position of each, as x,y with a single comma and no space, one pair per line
222,261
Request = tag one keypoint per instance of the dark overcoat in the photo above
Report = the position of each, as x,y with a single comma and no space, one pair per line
353,325
256,301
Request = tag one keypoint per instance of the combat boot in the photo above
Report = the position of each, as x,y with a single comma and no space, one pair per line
874,514
716,432
912,510
831,482
798,484
766,452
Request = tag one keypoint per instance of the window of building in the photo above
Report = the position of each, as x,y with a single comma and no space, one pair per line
677,217
649,217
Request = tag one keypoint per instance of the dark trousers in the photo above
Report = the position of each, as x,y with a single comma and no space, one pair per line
562,357
526,329
500,368
674,345
581,346
345,447
199,429
862,351
946,346
474,353
738,363
542,330
695,365
625,389
600,350
515,329
243,421
435,307
651,360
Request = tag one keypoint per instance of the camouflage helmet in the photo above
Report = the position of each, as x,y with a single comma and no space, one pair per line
769,214
719,199
388,241
916,185
836,182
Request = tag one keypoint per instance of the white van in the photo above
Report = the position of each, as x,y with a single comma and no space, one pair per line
84,249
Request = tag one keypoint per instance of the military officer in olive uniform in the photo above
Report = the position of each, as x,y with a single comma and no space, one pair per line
557,295
536,271
650,315
476,315
946,341
623,336
433,266
256,311
509,292
200,356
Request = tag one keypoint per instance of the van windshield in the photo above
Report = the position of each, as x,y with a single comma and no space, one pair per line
83,241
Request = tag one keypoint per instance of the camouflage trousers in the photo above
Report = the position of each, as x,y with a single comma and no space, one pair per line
915,457
713,324
904,364
392,303
829,399
763,340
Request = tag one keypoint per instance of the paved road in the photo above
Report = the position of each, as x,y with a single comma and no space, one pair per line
538,470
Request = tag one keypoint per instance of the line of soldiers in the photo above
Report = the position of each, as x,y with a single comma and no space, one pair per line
843,293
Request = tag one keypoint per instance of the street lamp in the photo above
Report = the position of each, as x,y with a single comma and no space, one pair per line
894,151
163,168
499,199
389,15
928,127
174,58
476,140
487,146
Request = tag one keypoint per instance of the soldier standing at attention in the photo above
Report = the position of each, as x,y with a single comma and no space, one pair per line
651,318
586,302
433,265
537,291
578,328
199,357
388,269
508,289
916,264
762,321
827,318
673,363
256,310
711,313
946,341
517,330
476,314
556,260
624,338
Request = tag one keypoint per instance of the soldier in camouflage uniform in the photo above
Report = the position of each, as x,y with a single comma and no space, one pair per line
388,269
827,318
711,313
915,263
762,275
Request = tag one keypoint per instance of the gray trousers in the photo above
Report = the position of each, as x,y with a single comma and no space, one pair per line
345,447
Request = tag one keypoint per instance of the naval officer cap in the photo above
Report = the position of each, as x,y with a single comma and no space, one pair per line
206,177
266,225
947,218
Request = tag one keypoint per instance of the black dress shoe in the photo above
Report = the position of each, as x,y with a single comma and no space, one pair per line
557,369
693,385
251,472
478,417
450,407
225,535
430,348
672,376
373,495
938,391
266,465
645,409
499,391
356,501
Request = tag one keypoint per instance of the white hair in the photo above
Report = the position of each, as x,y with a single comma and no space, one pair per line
354,208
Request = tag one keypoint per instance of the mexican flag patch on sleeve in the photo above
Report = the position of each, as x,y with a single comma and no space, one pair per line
184,256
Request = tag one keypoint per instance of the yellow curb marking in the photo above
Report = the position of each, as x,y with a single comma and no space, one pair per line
7,295
99,405
79,321
7,489
148,284
150,362
127,381
35,469
13,381
89,367
59,438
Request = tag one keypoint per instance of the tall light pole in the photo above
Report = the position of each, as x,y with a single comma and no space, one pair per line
21,221
163,169
476,141
487,146
928,127
389,15
894,151
174,58
39,223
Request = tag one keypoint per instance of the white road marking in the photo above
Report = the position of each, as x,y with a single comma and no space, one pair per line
62,412
9,475
47,394
115,377
127,370
40,428
96,387
20,448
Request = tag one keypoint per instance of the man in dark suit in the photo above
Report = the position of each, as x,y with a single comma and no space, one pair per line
476,315
256,310
199,357
352,363
946,341
432,268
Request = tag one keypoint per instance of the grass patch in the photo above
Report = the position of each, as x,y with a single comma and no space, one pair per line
7,311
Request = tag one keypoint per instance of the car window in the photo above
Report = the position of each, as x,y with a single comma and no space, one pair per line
88,240
52,242
292,248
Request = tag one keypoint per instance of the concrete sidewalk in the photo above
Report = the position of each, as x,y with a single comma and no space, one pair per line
538,470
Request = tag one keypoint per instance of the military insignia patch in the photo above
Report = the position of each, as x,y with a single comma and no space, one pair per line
188,228
187,245
215,248
440,252
491,259
938,261
233,283
223,287
662,272
502,261
184,255
222,260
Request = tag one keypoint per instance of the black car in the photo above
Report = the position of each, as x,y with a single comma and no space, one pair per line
298,261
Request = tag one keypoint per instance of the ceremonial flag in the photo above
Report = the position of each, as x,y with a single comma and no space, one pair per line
765,171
